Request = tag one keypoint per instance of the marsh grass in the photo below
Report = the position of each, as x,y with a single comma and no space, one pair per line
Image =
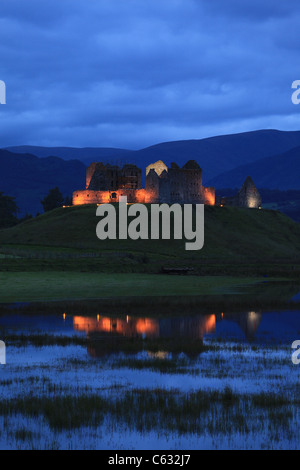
164,366
24,435
269,400
5,383
140,408
157,409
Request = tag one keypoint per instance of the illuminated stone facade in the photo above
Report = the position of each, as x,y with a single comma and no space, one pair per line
248,196
177,185
106,183
100,177
89,196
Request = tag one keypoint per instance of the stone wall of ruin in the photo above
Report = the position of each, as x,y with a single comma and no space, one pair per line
105,197
185,185
89,174
152,187
249,196
100,177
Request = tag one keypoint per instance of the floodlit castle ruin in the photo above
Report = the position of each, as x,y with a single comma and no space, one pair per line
248,196
106,183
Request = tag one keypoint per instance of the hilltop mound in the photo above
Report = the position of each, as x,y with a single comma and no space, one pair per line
231,234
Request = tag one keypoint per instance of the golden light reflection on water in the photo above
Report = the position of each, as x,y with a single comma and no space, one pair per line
126,327
109,331
108,334
191,327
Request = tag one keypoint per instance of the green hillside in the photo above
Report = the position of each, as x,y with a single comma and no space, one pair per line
232,235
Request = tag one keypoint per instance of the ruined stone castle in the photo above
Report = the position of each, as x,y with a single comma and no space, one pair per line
106,183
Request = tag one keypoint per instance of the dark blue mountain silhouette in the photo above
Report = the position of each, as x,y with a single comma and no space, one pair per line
29,178
277,172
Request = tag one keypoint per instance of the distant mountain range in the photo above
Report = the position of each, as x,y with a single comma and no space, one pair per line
277,172
29,178
215,155
270,157
86,155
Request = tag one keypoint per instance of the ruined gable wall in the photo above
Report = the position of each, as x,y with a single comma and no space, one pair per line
249,196
158,167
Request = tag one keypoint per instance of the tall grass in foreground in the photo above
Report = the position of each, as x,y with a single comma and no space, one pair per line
159,409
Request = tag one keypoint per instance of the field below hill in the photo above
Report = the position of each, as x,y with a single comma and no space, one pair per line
24,287
58,256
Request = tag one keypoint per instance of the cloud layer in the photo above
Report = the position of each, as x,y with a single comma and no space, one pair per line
133,73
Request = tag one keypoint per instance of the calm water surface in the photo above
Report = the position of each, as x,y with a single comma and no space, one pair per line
218,380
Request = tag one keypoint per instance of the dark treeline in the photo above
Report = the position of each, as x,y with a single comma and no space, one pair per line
9,209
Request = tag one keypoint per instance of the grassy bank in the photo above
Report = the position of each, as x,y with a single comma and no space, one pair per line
28,286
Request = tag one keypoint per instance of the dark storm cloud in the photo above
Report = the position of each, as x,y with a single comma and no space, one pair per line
132,73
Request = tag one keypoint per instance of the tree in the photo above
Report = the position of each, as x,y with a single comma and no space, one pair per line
8,211
53,200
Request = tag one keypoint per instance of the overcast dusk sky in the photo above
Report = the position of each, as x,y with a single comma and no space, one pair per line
131,73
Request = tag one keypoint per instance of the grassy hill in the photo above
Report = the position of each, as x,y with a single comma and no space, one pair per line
232,235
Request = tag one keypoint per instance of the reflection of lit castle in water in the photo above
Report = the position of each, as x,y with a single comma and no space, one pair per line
189,327
249,323
170,329
129,327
